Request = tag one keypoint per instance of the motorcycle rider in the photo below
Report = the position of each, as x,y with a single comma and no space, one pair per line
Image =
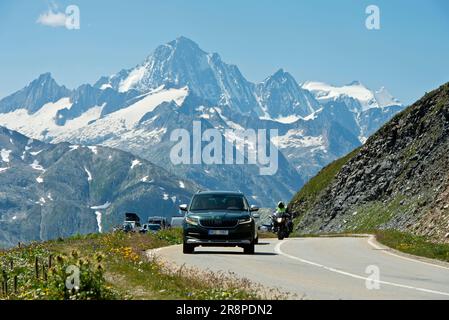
282,210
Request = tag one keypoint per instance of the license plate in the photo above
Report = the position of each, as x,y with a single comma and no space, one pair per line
218,232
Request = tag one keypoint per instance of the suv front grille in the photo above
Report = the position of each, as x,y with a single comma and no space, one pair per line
218,223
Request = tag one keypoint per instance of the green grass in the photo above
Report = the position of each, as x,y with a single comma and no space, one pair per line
413,244
372,215
116,266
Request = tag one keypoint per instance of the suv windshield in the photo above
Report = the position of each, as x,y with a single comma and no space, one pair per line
218,202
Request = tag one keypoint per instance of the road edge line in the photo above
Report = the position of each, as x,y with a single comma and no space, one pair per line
278,250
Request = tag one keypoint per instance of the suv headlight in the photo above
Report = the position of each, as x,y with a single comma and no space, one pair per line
192,221
246,220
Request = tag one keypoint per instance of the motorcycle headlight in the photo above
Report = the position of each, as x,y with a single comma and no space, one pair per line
279,220
246,220
192,221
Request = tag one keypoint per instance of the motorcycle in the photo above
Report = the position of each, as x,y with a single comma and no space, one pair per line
281,225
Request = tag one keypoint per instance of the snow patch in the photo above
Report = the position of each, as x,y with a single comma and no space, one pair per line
135,163
36,166
134,77
131,115
103,206
89,175
296,139
35,153
288,120
94,149
105,86
5,155
313,115
356,90
99,224
42,124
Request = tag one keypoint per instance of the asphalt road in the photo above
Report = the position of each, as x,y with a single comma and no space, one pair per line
325,268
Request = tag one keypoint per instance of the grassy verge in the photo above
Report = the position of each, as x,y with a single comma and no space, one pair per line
267,235
412,244
112,266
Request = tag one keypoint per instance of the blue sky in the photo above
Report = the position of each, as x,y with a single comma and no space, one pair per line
314,40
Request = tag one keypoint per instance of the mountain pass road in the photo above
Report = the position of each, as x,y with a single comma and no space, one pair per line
324,268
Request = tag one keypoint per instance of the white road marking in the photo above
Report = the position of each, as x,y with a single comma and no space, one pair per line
374,245
278,250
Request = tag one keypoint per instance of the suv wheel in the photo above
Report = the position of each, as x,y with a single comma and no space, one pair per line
249,249
187,248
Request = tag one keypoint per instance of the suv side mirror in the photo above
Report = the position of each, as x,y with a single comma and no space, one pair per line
254,208
183,207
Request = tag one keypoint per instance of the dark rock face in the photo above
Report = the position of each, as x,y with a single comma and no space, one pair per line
39,92
397,179
281,96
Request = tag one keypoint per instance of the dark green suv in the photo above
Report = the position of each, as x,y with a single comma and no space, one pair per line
219,219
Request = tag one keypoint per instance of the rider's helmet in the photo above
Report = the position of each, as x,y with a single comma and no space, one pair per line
281,205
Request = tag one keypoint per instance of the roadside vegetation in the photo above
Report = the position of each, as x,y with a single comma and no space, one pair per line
412,244
112,266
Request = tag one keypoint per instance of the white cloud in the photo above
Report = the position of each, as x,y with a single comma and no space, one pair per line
52,19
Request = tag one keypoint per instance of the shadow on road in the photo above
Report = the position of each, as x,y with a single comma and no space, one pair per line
236,253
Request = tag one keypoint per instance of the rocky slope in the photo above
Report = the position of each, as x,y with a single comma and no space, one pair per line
398,180
58,190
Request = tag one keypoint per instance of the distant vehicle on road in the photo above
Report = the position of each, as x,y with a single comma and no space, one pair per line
162,221
154,227
150,227
132,217
177,222
219,219
129,226
144,228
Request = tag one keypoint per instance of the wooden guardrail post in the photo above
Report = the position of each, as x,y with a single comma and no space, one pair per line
5,282
15,284
44,272
36,267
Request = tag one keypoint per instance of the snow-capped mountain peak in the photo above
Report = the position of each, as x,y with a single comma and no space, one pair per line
281,97
40,91
136,110
181,63
355,90
385,99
